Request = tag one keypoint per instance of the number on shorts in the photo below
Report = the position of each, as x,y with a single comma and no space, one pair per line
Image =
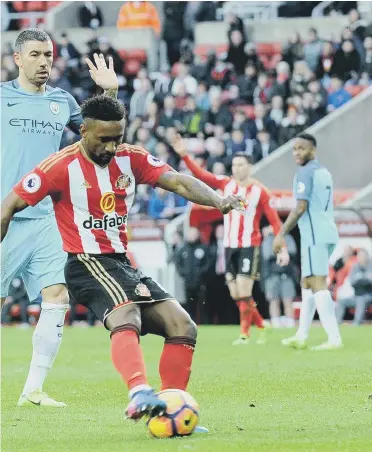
246,265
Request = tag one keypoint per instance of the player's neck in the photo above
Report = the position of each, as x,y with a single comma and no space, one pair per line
26,85
245,183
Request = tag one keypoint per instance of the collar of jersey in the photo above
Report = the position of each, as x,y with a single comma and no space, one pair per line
85,155
23,91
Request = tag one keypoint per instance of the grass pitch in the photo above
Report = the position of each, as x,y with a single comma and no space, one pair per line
252,398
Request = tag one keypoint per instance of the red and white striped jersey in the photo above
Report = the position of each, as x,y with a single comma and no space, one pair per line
91,203
241,229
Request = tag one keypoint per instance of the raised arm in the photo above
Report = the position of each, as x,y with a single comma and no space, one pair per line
216,182
10,206
196,191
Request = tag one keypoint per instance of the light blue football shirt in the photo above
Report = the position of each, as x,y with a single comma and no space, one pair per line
314,183
31,129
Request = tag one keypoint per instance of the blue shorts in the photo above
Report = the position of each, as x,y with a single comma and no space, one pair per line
33,250
315,259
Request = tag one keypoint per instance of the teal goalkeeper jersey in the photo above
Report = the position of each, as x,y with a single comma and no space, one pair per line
31,129
314,183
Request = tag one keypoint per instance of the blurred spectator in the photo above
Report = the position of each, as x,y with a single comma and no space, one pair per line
193,261
202,97
5,19
68,51
139,15
184,78
277,110
192,118
261,121
315,102
367,59
325,60
247,83
280,86
293,124
142,97
346,61
59,79
9,67
173,29
235,23
312,49
280,281
163,204
356,24
219,169
146,139
236,53
262,92
238,143
170,116
338,95
198,12
151,118
264,146
103,45
90,15
17,295
240,122
300,78
348,35
217,115
218,154
361,280
294,50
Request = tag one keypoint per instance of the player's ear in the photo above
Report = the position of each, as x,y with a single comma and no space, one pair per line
83,130
17,59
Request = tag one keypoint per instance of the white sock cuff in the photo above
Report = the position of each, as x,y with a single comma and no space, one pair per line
54,306
138,388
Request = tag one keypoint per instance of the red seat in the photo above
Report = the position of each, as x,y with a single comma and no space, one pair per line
354,90
123,53
268,48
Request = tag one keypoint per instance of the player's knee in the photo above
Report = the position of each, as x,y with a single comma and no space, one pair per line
182,325
121,318
57,294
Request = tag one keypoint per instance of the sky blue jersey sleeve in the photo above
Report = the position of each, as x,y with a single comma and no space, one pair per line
304,183
75,114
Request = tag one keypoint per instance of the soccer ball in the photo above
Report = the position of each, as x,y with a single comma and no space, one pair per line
180,418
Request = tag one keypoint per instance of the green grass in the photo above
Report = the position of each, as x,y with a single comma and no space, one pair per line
303,401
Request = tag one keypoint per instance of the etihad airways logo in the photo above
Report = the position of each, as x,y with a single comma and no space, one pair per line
37,127
106,222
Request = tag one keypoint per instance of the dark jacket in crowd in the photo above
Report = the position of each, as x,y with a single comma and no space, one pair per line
222,118
268,124
345,63
246,87
259,152
193,262
86,16
269,258
237,57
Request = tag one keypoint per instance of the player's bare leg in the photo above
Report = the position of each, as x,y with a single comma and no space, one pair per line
169,320
274,309
46,341
126,354
326,311
289,312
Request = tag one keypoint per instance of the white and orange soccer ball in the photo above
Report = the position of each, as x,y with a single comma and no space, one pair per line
180,418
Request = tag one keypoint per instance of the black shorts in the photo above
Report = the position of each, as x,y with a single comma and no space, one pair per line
243,261
105,282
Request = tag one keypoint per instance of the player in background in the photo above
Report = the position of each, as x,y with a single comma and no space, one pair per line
92,184
313,189
33,117
242,235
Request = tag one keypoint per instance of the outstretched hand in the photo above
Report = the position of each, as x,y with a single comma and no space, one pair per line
233,202
179,146
102,75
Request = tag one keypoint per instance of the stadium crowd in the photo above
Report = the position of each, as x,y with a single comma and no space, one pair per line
238,101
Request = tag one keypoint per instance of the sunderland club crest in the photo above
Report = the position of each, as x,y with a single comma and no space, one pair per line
123,182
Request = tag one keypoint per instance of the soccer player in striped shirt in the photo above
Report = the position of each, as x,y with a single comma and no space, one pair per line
313,190
242,234
33,117
92,185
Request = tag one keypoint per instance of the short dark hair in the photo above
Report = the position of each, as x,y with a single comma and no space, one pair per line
103,108
31,34
245,156
307,137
